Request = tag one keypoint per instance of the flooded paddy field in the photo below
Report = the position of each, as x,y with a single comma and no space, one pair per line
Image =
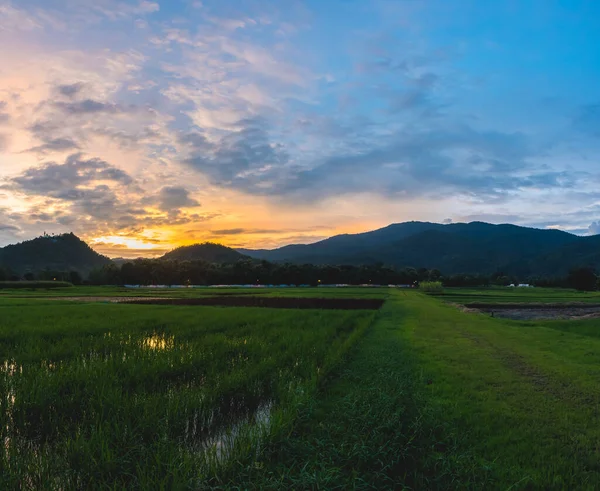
138,396
537,311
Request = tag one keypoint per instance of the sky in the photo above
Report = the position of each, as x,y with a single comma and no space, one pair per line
141,125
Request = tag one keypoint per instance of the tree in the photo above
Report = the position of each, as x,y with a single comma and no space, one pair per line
582,279
75,278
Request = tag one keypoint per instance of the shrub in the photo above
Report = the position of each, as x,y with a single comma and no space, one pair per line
431,286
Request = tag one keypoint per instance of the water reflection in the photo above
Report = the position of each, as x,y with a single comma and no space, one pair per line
9,369
158,342
221,442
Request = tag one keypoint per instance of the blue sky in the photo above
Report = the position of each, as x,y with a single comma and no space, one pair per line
143,124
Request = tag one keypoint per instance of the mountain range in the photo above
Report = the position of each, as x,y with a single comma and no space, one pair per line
474,247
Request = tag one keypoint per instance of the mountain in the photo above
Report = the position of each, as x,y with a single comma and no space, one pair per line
474,247
345,245
55,253
210,252
583,252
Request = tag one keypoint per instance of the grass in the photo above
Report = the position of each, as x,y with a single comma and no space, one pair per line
520,399
111,291
133,396
416,396
434,398
516,295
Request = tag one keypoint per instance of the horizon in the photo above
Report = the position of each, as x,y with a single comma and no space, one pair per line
144,125
163,252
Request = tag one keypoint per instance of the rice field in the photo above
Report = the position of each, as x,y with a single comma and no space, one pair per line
144,396
418,394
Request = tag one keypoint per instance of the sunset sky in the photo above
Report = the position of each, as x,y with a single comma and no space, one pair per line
140,125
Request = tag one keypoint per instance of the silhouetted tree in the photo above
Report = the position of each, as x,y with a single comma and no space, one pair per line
583,279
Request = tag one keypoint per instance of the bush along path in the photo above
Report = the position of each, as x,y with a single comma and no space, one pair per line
435,398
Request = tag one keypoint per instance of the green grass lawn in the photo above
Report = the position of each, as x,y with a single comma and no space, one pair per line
418,395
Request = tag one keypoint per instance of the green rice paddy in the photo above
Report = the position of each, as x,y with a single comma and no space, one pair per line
416,395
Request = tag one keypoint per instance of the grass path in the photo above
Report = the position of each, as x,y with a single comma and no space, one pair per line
360,432
521,397
434,398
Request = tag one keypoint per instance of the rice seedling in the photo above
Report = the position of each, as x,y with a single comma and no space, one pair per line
152,396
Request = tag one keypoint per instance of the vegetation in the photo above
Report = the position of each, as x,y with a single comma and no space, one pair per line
460,248
583,279
17,285
474,254
518,295
49,254
208,251
107,396
150,397
431,286
163,272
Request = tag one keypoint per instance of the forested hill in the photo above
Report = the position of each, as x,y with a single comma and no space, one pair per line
209,252
54,253
474,247
471,248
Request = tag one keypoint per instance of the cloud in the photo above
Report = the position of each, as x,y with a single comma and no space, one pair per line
55,145
8,228
70,90
118,10
89,106
443,162
14,19
58,180
173,198
4,116
594,228
229,231
240,159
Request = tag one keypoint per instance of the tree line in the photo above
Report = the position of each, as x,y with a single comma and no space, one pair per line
249,271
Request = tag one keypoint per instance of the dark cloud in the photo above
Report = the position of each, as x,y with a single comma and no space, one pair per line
239,157
89,106
61,180
433,163
175,198
8,228
229,231
258,231
70,90
55,145
441,162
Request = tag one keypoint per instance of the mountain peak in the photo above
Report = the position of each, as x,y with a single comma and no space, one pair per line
207,251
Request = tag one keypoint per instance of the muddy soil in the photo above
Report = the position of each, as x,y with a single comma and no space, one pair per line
537,311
